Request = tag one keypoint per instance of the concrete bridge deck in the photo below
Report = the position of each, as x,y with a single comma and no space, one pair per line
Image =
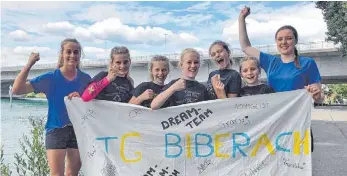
331,64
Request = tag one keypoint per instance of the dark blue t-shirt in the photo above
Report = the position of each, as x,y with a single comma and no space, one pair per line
231,80
256,90
194,92
56,87
119,90
285,76
157,89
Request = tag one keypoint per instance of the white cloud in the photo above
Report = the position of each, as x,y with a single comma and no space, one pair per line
188,38
19,35
82,33
98,13
199,7
191,20
94,52
113,29
307,19
22,53
127,14
143,15
59,27
33,6
24,50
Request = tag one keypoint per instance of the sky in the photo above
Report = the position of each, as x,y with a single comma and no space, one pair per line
146,28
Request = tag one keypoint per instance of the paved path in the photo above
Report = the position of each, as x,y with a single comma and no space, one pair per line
330,134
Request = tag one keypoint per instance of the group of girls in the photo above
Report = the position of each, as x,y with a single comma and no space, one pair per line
287,72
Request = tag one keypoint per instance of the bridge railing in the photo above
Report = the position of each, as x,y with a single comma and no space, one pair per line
319,46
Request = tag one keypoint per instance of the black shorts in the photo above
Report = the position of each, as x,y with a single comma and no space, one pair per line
61,138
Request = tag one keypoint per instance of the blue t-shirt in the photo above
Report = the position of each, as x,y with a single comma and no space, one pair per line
231,80
286,76
56,87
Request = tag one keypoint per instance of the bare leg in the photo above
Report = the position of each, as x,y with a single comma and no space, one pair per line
56,160
73,162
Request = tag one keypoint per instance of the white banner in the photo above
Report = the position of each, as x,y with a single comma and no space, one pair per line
254,135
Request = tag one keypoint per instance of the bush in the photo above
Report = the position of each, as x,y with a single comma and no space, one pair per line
4,168
32,160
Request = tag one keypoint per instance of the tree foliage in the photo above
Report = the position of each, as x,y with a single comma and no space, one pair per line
4,168
336,92
32,161
335,15
339,89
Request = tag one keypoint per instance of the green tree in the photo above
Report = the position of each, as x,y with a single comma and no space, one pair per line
32,161
4,168
335,15
339,89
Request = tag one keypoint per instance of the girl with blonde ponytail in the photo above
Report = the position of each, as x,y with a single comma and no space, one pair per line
66,80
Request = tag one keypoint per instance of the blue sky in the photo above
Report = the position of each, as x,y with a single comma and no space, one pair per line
141,26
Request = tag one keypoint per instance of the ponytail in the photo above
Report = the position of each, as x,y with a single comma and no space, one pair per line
296,59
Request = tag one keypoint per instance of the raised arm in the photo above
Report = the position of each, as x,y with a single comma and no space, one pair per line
243,36
160,99
20,85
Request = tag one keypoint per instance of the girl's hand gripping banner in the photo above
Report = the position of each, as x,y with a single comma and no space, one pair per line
254,135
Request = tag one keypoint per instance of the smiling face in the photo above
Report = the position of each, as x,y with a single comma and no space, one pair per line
190,64
71,54
250,72
159,72
220,55
121,62
285,41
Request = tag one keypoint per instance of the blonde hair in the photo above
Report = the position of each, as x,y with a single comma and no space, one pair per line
251,59
158,58
121,50
188,50
63,43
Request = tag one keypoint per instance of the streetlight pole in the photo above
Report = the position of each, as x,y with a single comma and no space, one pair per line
165,41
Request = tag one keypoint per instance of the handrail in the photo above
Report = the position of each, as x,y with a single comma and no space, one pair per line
236,52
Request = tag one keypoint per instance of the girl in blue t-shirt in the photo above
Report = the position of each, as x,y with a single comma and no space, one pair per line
66,80
185,89
289,71
224,82
144,93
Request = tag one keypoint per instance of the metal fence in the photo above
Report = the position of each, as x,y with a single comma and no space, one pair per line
321,46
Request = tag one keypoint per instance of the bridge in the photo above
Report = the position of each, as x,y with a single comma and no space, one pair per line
331,64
